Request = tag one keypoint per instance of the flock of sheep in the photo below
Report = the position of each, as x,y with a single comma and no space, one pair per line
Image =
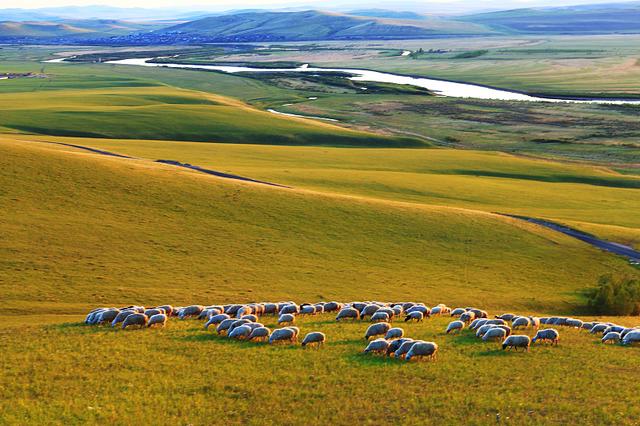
241,322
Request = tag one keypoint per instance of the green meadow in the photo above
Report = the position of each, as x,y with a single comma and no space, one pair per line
391,203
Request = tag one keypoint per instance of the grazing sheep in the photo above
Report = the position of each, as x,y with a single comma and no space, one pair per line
215,320
282,335
250,317
496,322
378,329
394,345
520,322
574,323
614,328
505,327
534,322
479,313
121,317
240,333
107,316
254,325
436,310
380,317
422,349
168,309
260,334
133,320
157,320
237,323
426,312
549,335
315,338
152,312
598,328
457,312
482,330
286,319
416,316
332,307
478,322
467,317
270,309
517,341
627,331
307,310
611,337
405,348
191,311
394,333
348,313
296,332
506,317
631,338
91,314
495,333
319,308
455,326
378,346
369,310
588,325
224,325
289,309
397,310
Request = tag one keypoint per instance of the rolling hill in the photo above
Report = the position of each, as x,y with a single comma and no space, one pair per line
69,28
586,19
311,25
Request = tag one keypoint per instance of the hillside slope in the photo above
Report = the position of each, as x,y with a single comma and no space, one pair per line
594,19
68,28
80,229
310,25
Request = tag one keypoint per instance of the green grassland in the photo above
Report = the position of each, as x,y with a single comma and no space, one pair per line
81,230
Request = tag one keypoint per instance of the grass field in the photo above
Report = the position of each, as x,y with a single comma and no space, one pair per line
82,230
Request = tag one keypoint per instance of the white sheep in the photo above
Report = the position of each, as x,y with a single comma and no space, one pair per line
314,338
378,346
550,335
286,319
139,320
394,333
455,326
157,320
611,337
517,341
422,349
495,333
378,329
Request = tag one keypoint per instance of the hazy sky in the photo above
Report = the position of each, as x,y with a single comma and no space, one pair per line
226,4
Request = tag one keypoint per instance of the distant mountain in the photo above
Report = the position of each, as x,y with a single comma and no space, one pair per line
584,19
383,13
311,25
68,28
96,12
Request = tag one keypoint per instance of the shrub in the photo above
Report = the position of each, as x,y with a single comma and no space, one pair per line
615,296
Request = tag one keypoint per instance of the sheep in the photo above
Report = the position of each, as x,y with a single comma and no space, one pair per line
495,322
314,338
168,309
250,317
479,313
598,328
495,333
260,334
377,329
416,316
550,335
332,307
191,311
240,333
422,349
394,345
157,319
139,320
237,323
394,333
506,317
289,309
121,317
380,317
444,309
627,331
426,312
405,348
307,310
215,320
378,346
91,314
457,312
517,341
296,332
505,327
534,322
282,335
631,338
254,325
455,326
523,322
614,328
286,319
224,325
152,312
478,322
397,310
574,323
319,308
369,310
436,310
588,325
107,316
467,317
482,330
345,313
611,337
270,309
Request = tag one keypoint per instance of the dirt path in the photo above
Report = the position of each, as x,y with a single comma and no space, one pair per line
619,249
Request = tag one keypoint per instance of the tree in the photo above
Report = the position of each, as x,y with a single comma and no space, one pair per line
615,296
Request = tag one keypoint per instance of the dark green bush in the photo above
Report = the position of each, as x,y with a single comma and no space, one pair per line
615,296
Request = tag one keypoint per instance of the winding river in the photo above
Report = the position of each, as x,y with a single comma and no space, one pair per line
439,87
